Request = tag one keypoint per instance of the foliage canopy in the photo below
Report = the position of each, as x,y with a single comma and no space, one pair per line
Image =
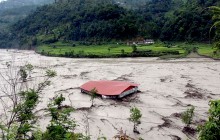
211,130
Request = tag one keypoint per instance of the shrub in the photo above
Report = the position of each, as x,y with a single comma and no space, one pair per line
42,52
61,126
135,117
122,51
23,74
187,116
21,117
211,129
134,48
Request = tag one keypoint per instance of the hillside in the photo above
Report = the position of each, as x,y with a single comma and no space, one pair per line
79,22
12,11
98,21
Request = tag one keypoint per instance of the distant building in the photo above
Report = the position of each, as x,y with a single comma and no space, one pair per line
110,89
149,41
143,42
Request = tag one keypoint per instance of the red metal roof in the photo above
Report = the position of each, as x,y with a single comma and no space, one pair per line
108,87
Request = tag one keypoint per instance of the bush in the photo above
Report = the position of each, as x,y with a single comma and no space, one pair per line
211,129
122,51
134,48
187,116
135,117
61,126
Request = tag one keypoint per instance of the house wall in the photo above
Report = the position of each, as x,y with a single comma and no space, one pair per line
133,90
109,97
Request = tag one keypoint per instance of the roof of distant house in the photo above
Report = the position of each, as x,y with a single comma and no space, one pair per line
109,88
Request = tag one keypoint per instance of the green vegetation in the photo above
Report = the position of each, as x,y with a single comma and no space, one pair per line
76,20
61,125
209,51
11,11
188,115
211,130
80,21
115,20
108,50
23,74
216,18
24,111
173,50
21,118
135,117
25,71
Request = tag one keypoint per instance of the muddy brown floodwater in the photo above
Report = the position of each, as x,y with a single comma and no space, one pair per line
167,88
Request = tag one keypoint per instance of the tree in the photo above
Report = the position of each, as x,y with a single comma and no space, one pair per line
187,118
211,130
135,116
25,117
134,48
216,18
61,125
19,117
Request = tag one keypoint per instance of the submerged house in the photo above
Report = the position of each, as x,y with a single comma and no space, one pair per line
110,89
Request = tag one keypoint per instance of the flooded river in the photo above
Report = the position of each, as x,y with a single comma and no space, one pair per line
167,88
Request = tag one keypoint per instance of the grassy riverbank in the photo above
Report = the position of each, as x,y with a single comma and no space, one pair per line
158,49
209,51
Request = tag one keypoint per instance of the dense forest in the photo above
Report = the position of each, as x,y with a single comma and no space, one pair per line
109,20
10,12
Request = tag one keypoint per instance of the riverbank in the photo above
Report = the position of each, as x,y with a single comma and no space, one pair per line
159,49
